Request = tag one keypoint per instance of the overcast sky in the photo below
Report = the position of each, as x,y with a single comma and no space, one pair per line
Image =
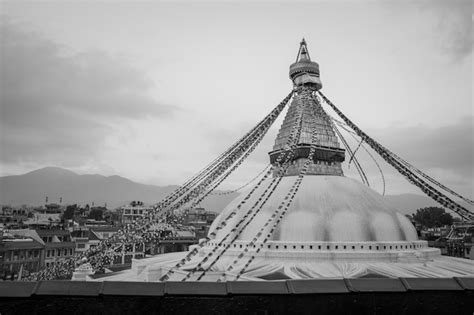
154,91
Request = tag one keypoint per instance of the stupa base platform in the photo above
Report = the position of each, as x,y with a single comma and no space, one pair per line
272,264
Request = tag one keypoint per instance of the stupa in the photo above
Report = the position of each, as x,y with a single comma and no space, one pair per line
335,226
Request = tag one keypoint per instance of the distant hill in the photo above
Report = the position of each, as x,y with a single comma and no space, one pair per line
54,182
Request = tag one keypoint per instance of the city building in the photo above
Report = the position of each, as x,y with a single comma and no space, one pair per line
200,219
460,240
58,245
13,217
134,211
84,239
171,240
43,220
20,254
104,232
51,208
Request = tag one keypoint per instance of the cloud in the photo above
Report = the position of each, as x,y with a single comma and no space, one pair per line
58,107
453,30
447,147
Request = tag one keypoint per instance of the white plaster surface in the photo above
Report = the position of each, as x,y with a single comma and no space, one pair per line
326,208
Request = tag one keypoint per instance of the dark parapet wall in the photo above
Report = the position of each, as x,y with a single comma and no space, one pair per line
341,296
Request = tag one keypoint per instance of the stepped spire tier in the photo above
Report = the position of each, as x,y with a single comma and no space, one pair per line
328,154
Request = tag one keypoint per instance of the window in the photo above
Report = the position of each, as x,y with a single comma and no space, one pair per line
81,245
70,251
48,253
58,252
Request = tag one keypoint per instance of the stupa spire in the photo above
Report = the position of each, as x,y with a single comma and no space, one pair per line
328,155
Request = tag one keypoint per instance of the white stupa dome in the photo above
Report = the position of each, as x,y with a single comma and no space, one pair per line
325,208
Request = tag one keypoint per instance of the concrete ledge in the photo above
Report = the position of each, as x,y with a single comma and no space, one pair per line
447,284
257,287
17,289
466,283
278,287
74,288
375,285
195,288
133,288
329,296
317,286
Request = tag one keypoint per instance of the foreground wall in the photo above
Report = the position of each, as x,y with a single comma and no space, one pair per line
348,296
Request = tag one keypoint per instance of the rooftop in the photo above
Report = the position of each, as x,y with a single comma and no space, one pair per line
48,232
21,244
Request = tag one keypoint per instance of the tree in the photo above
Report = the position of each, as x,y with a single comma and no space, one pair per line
96,214
69,212
432,217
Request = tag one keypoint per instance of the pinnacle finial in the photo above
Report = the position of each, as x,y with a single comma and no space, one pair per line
303,53
304,71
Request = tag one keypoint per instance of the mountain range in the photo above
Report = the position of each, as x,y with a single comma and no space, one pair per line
33,187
